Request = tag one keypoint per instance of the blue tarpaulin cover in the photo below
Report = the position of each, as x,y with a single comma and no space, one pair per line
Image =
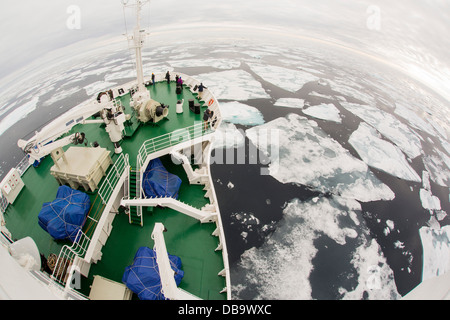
64,216
158,182
142,277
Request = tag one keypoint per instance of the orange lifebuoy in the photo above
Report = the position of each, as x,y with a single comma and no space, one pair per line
211,101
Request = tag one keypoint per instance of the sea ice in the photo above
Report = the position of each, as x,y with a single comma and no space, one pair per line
18,114
388,126
290,103
233,85
215,63
325,112
375,277
436,251
281,267
96,87
228,136
344,88
60,95
287,79
320,95
308,156
429,201
414,120
438,165
381,154
239,113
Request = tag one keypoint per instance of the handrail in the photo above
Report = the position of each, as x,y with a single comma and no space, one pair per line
113,177
67,255
171,139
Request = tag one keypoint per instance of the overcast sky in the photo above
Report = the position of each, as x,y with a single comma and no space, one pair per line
413,32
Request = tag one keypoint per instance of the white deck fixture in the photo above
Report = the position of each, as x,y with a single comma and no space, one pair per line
11,185
169,287
80,166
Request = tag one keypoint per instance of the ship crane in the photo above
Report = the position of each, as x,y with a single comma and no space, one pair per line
48,138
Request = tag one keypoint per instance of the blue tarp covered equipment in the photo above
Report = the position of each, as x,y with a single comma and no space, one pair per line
142,277
64,216
158,182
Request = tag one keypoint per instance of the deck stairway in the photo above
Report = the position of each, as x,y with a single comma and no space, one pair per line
135,212
205,214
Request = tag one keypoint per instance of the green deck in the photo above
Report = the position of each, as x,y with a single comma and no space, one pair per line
186,237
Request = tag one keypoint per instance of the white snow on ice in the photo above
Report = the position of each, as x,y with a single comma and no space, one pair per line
60,95
381,154
375,277
18,114
438,165
283,263
233,85
388,126
325,112
240,113
99,86
436,251
290,103
414,120
228,136
215,63
306,155
429,201
287,79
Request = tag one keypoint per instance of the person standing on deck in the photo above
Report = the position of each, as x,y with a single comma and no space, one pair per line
168,77
200,90
153,78
206,116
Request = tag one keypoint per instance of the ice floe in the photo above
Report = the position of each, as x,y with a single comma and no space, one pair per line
414,120
429,201
436,251
18,114
60,95
344,88
282,265
287,79
438,165
96,87
290,103
388,126
228,136
214,63
306,155
325,112
233,85
381,154
375,277
240,113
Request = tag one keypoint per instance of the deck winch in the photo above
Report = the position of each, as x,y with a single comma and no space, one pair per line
152,111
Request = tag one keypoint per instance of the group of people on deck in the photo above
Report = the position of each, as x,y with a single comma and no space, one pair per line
208,114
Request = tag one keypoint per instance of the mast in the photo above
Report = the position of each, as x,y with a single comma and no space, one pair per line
136,42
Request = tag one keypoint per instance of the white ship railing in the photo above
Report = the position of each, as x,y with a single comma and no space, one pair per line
66,257
106,189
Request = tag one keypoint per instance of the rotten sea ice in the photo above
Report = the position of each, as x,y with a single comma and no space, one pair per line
307,155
